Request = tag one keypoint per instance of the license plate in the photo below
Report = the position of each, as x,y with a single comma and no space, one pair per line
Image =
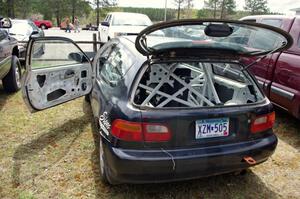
209,128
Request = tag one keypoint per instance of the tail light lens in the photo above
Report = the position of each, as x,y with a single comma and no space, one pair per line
128,131
156,133
262,123
137,131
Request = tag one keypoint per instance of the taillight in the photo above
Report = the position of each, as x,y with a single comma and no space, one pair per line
156,132
263,122
128,131
137,131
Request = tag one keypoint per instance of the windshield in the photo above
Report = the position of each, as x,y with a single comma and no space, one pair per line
131,20
238,38
20,28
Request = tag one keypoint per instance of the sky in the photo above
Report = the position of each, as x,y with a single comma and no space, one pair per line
281,6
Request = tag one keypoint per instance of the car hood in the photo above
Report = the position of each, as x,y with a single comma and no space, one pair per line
211,37
20,37
127,29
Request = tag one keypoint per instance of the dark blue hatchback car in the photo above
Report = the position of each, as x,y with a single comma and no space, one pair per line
169,105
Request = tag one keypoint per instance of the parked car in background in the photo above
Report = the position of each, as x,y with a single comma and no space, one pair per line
90,27
122,23
279,73
43,24
10,67
167,108
22,30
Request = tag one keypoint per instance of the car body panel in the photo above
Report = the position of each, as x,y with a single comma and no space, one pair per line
115,71
162,165
7,44
280,72
5,65
40,23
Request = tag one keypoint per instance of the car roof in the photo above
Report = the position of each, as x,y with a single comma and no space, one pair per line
21,20
129,42
126,13
269,17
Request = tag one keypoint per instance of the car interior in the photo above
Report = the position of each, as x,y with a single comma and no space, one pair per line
195,84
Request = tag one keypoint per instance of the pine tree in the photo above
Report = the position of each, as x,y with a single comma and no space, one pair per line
256,6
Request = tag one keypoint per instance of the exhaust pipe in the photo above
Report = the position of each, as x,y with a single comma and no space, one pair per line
249,160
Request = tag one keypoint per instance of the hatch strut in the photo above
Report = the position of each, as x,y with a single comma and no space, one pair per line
263,57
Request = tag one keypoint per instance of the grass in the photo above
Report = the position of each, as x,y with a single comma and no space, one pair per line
54,154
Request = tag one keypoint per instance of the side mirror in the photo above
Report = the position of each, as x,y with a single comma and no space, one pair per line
5,23
34,34
78,57
105,23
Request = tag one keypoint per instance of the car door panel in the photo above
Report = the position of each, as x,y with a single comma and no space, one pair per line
55,76
49,87
5,54
286,81
285,90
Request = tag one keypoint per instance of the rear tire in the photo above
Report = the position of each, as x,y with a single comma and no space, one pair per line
12,81
87,98
43,27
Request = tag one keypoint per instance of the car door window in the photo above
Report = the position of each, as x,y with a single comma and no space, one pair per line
114,64
55,53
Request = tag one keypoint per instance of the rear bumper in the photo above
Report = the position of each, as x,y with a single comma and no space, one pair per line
151,166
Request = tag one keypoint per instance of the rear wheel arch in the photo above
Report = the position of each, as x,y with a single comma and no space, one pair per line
15,51
11,82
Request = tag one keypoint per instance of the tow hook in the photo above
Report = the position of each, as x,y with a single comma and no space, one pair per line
249,160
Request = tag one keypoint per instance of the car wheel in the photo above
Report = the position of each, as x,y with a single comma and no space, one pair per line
12,81
43,27
103,169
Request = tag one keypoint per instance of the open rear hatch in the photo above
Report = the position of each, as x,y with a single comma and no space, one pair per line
203,38
194,85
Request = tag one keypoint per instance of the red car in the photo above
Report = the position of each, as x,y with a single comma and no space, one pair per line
279,73
43,24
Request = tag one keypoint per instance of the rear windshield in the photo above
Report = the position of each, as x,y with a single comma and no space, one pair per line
195,84
197,36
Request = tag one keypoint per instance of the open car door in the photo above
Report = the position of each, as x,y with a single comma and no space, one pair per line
57,71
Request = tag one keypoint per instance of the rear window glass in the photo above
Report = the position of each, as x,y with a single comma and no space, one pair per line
236,38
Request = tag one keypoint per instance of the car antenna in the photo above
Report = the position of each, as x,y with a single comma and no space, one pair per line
263,57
